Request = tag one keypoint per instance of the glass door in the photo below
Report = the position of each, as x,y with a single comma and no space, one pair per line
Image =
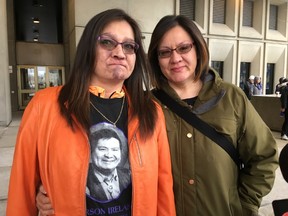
55,76
41,77
26,85
34,78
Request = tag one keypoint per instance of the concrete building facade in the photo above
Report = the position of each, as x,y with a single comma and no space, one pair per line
244,37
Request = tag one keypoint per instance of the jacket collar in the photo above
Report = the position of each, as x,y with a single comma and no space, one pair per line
211,93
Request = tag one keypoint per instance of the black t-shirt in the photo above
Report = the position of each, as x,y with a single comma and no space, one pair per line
109,186
190,101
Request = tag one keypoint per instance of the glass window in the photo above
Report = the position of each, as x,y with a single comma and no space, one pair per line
218,66
248,13
41,77
270,78
244,73
187,8
39,21
219,11
273,17
33,78
55,77
27,78
25,98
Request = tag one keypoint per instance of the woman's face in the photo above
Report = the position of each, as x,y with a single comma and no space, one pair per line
179,69
107,154
114,66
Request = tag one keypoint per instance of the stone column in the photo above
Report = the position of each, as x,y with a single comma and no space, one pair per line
5,100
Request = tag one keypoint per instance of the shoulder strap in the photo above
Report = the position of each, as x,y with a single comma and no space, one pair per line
199,124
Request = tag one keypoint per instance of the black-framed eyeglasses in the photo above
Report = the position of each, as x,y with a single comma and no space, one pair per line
108,43
181,49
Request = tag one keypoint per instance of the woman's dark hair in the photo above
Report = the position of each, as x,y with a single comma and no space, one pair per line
163,26
74,96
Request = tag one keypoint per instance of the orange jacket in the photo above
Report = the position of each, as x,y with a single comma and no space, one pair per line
48,151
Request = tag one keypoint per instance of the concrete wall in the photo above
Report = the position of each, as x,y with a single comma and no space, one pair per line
230,42
12,55
5,102
39,54
268,108
146,13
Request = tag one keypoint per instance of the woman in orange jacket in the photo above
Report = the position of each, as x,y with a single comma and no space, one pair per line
105,90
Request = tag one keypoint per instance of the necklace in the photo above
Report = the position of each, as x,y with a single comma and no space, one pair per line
120,113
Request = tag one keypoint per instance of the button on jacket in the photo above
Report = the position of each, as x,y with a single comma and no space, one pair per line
48,151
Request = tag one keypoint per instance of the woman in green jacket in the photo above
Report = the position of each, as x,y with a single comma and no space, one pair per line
206,179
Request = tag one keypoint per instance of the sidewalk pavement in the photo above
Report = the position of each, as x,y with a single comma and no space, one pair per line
7,143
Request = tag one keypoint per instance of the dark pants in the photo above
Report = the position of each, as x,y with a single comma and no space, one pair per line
285,124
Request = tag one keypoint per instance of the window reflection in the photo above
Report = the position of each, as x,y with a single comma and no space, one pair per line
34,78
27,78
55,77
41,77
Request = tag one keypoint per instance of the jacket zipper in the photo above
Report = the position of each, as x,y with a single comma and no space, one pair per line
138,150
140,163
139,156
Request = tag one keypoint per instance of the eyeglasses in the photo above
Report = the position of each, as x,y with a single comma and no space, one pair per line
181,49
109,44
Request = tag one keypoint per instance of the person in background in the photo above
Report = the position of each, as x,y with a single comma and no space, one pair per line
249,86
206,180
53,146
257,88
284,110
279,85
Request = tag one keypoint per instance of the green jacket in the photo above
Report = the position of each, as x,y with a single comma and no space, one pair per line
207,182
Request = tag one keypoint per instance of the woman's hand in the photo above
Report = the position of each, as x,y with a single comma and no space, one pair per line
43,202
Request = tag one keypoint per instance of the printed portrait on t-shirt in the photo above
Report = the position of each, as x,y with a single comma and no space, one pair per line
109,177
